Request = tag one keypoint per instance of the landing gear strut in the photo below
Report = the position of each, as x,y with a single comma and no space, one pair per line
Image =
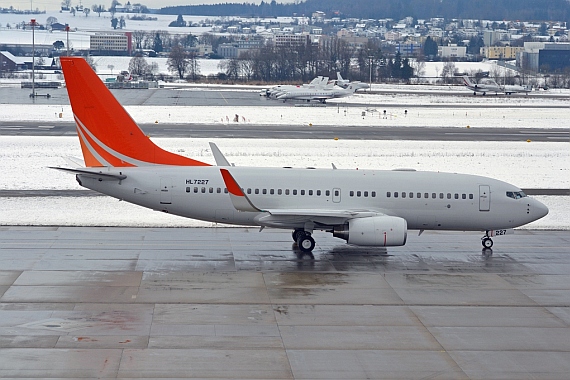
304,240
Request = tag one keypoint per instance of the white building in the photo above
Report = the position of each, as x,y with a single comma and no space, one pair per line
452,51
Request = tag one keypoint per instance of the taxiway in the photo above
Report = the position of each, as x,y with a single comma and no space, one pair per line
237,304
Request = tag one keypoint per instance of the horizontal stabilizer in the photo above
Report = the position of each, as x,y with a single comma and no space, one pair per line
93,174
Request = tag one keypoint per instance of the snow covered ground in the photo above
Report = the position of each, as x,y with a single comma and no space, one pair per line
405,111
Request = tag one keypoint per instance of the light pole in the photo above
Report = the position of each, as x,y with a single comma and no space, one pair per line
67,43
370,67
33,23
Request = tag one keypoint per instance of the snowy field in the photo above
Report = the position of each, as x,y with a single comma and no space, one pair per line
24,162
402,111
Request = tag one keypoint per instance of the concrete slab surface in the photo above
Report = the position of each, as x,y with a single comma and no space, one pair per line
229,303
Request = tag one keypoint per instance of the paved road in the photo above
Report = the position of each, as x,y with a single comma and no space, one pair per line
258,131
233,303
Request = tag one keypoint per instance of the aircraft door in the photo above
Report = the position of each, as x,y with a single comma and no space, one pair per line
165,190
484,198
336,195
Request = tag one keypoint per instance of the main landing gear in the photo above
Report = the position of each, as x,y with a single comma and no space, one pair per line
304,240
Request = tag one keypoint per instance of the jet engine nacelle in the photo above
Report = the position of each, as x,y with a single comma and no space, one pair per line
383,231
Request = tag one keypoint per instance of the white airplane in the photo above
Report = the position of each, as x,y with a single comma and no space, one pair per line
273,92
320,94
344,83
489,86
363,207
512,89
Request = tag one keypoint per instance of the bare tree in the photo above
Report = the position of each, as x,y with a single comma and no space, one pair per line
246,64
98,9
193,65
138,38
448,72
51,20
139,66
231,67
178,61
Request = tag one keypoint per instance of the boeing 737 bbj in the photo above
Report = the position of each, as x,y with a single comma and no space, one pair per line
363,207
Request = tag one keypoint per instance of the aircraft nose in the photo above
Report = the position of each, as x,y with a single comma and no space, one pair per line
538,209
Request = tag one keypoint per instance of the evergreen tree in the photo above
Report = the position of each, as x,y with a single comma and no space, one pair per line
430,47
157,45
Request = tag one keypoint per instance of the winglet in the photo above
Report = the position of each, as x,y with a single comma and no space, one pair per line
240,201
219,156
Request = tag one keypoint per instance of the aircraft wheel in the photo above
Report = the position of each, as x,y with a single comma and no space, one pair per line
487,242
297,233
306,243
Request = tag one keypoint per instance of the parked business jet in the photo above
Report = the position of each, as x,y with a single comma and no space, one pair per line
344,83
363,207
330,91
489,86
513,89
318,82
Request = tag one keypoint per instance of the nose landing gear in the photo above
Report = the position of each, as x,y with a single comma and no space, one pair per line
486,241
304,240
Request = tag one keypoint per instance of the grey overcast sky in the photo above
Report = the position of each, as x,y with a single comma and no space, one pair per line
51,5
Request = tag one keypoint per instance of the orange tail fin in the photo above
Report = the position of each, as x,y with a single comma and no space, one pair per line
107,133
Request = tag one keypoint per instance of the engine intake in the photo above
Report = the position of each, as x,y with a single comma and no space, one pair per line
379,231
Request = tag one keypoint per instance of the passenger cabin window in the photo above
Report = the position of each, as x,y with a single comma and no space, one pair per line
388,194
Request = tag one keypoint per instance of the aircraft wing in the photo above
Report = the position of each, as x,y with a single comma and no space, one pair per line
242,202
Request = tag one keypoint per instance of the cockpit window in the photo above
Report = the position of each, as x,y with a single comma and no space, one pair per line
516,194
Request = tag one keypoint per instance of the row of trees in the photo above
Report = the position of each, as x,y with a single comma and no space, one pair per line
524,10
304,62
161,40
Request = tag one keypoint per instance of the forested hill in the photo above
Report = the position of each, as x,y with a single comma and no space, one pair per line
523,10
